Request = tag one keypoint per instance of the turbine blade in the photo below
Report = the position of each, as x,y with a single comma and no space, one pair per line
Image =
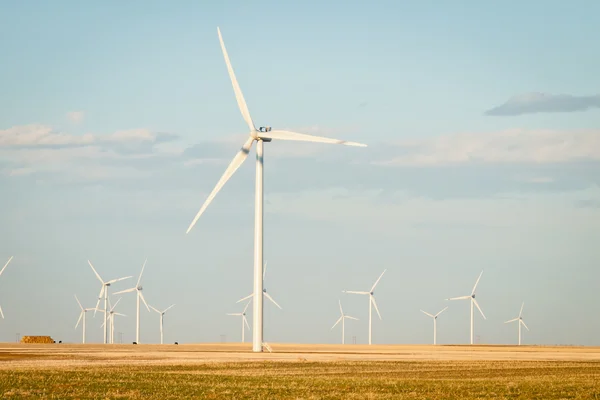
236,87
441,311
95,272
125,291
375,304
235,314
144,300
479,308
354,292
6,265
119,279
347,316
79,320
245,308
235,164
113,307
459,298
168,308
511,320
337,322
246,321
155,309
301,137
268,296
245,298
140,278
341,310
426,313
80,306
99,297
264,270
475,287
378,279
523,322
122,315
1,313
521,312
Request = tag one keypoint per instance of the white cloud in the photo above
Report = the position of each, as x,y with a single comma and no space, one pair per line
75,116
505,147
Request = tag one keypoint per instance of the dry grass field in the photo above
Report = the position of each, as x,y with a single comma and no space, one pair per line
298,372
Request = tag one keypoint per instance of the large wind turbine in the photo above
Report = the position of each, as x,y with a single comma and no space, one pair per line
1,271
139,295
521,322
267,295
162,314
434,323
261,135
343,320
104,291
82,315
471,297
371,301
244,320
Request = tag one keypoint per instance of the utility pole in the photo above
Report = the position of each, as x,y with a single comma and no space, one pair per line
353,339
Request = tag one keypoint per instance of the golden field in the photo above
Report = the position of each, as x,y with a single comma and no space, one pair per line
294,371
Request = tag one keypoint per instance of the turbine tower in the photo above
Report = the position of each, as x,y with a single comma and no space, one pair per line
260,136
162,314
343,320
371,301
1,271
471,297
265,293
521,322
434,323
82,315
104,292
139,295
244,320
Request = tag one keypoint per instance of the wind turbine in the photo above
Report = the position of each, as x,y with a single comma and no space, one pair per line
244,320
262,135
111,319
267,295
521,322
343,320
434,323
473,302
1,271
162,314
82,315
371,301
139,295
104,291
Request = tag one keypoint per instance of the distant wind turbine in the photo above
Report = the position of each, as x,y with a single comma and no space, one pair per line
139,295
1,271
111,319
267,295
342,319
244,320
104,292
162,314
521,322
82,315
371,301
471,297
434,323
261,135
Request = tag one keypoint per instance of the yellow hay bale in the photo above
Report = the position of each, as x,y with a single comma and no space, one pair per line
37,339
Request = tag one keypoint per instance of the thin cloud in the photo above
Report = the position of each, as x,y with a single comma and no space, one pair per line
75,116
530,103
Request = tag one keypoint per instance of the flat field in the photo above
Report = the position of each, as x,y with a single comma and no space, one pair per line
64,371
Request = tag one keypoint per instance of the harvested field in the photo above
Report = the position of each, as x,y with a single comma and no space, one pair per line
298,371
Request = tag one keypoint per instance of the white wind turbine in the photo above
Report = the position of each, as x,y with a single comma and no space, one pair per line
244,320
267,295
111,320
263,134
343,320
371,301
471,297
434,323
82,315
104,292
521,322
162,314
139,295
1,271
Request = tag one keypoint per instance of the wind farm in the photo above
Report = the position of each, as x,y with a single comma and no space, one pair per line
121,145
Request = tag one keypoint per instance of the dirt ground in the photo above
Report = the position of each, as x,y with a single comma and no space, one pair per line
55,355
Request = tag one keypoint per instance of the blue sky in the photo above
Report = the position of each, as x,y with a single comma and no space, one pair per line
483,125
